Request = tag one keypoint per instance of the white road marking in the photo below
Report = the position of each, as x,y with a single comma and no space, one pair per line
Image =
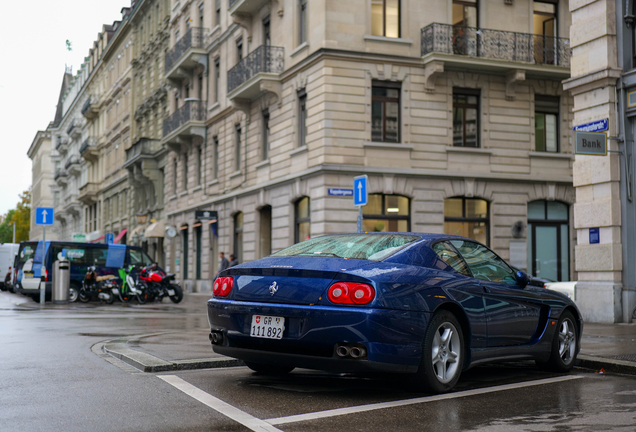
224,408
382,405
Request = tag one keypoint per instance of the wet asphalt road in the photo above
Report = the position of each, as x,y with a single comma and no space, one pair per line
51,380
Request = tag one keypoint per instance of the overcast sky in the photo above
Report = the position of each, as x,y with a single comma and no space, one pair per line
33,55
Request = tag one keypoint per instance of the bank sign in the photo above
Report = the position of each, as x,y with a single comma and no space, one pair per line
590,143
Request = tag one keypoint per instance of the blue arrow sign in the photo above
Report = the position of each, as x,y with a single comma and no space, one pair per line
44,216
360,190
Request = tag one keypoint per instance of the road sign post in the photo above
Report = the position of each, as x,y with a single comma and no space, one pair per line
360,196
44,217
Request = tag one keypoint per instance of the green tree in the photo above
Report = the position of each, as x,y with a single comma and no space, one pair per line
21,216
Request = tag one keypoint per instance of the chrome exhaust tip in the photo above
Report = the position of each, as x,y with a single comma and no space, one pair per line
358,352
343,351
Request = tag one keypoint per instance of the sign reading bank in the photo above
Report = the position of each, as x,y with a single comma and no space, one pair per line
591,143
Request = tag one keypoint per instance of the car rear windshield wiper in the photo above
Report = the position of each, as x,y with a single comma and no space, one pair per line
319,253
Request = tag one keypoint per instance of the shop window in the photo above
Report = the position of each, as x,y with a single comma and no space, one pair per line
387,213
467,217
548,240
303,220
265,231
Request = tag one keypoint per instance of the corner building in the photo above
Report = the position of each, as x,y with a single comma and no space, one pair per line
454,109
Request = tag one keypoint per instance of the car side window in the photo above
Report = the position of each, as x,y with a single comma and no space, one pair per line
450,257
483,263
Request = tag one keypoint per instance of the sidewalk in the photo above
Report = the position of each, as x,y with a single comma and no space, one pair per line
603,346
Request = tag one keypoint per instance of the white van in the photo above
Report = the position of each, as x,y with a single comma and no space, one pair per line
8,251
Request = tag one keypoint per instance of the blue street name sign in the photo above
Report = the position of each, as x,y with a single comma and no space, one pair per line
360,190
340,192
595,236
595,126
44,216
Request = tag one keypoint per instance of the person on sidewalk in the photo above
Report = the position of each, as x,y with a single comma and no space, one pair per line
233,260
224,262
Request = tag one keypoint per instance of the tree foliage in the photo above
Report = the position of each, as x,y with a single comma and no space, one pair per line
21,216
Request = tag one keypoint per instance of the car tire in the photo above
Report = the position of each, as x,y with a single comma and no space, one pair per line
442,354
268,369
73,294
565,345
178,294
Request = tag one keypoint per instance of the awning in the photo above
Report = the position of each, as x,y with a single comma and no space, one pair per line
120,235
156,229
98,239
136,230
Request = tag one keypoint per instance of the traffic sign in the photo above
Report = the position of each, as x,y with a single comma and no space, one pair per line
110,238
44,216
360,197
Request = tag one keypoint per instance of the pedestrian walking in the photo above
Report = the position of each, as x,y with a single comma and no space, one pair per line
224,262
233,260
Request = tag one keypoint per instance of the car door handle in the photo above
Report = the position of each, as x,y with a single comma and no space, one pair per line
486,289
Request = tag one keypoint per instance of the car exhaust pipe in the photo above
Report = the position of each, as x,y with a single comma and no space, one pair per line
343,351
216,338
358,352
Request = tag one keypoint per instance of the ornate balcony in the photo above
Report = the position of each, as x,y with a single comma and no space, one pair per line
184,123
72,165
470,48
90,108
74,129
88,193
186,54
88,150
61,177
246,6
143,149
257,73
72,205
62,145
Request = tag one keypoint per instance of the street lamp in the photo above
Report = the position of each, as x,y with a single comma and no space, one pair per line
141,219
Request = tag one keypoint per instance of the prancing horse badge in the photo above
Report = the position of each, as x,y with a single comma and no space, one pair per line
273,288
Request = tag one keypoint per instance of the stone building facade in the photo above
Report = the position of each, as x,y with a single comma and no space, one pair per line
42,180
455,112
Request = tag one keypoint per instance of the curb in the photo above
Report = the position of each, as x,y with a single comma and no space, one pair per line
607,364
149,363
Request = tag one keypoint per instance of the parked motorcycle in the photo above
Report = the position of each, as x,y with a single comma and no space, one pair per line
97,287
132,286
160,284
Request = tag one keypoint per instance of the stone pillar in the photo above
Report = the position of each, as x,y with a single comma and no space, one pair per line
594,72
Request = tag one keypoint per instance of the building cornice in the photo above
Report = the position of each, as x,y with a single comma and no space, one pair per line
592,80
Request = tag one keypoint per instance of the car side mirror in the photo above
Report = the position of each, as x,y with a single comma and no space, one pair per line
522,278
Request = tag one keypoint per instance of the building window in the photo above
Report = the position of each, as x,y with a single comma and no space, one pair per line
385,112
238,236
548,240
239,50
386,213
302,117
465,13
265,153
265,231
546,124
237,148
217,78
198,244
267,31
215,141
302,21
385,18
201,15
185,245
185,171
200,86
217,12
467,217
466,118
302,229
199,164
545,29
174,175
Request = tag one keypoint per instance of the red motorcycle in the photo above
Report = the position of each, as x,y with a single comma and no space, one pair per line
161,285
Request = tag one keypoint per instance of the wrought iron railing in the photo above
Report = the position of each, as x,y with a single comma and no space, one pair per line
194,38
495,44
60,173
265,58
144,146
190,111
71,126
88,142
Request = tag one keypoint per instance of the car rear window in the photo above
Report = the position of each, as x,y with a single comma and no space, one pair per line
373,247
26,253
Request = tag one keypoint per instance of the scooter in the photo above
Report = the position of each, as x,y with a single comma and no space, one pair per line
160,284
132,286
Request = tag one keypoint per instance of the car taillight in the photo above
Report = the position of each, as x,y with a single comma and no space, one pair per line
223,286
46,275
351,293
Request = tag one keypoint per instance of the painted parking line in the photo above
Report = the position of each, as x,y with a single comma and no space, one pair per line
217,404
426,399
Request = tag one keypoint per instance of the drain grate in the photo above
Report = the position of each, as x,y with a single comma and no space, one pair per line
628,357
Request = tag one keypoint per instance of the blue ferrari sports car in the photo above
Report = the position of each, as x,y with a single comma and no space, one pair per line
428,304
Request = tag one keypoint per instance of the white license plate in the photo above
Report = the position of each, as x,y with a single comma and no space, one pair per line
115,290
170,292
268,327
28,275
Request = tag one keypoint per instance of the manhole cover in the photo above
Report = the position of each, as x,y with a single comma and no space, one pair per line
628,357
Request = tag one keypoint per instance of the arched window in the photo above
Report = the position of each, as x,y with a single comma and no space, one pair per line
265,231
467,217
302,230
386,213
238,236
549,240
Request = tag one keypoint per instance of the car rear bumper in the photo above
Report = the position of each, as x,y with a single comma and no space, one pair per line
32,286
392,339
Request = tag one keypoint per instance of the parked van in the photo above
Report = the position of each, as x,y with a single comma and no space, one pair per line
8,251
110,258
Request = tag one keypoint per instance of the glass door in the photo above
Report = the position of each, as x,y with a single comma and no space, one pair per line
546,259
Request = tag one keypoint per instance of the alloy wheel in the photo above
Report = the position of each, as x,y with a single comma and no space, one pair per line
446,352
567,341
